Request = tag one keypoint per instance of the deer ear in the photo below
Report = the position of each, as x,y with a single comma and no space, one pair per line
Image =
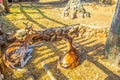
31,27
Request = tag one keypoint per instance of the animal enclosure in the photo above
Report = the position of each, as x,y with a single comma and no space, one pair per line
90,42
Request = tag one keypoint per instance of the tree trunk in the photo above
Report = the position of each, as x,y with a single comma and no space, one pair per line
74,8
112,48
5,3
1,43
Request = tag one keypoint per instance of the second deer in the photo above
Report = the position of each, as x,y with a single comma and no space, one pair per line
70,59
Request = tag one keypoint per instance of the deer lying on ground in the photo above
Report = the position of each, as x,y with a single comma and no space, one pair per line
19,52
70,59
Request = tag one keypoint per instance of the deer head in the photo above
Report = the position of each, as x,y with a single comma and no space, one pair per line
30,32
26,34
29,29
69,42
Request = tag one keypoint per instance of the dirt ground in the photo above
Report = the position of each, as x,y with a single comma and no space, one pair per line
46,14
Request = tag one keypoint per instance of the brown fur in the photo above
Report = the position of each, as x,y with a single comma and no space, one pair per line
11,57
70,59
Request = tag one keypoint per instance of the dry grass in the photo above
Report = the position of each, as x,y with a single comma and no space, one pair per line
93,64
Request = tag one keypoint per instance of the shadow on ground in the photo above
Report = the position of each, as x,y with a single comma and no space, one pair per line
52,65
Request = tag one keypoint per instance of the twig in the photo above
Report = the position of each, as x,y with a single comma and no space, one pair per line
2,77
48,72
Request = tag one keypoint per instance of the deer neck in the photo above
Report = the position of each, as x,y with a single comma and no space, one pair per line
69,44
28,39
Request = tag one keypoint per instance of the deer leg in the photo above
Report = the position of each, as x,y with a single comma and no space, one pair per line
35,45
29,52
23,63
28,56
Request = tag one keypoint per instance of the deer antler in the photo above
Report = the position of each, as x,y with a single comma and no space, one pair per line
27,27
26,24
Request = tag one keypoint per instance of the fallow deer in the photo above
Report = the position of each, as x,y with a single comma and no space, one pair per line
19,52
70,59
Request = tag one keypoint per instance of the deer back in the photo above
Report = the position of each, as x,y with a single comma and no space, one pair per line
14,53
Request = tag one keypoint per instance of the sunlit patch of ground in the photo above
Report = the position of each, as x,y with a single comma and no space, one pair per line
93,65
